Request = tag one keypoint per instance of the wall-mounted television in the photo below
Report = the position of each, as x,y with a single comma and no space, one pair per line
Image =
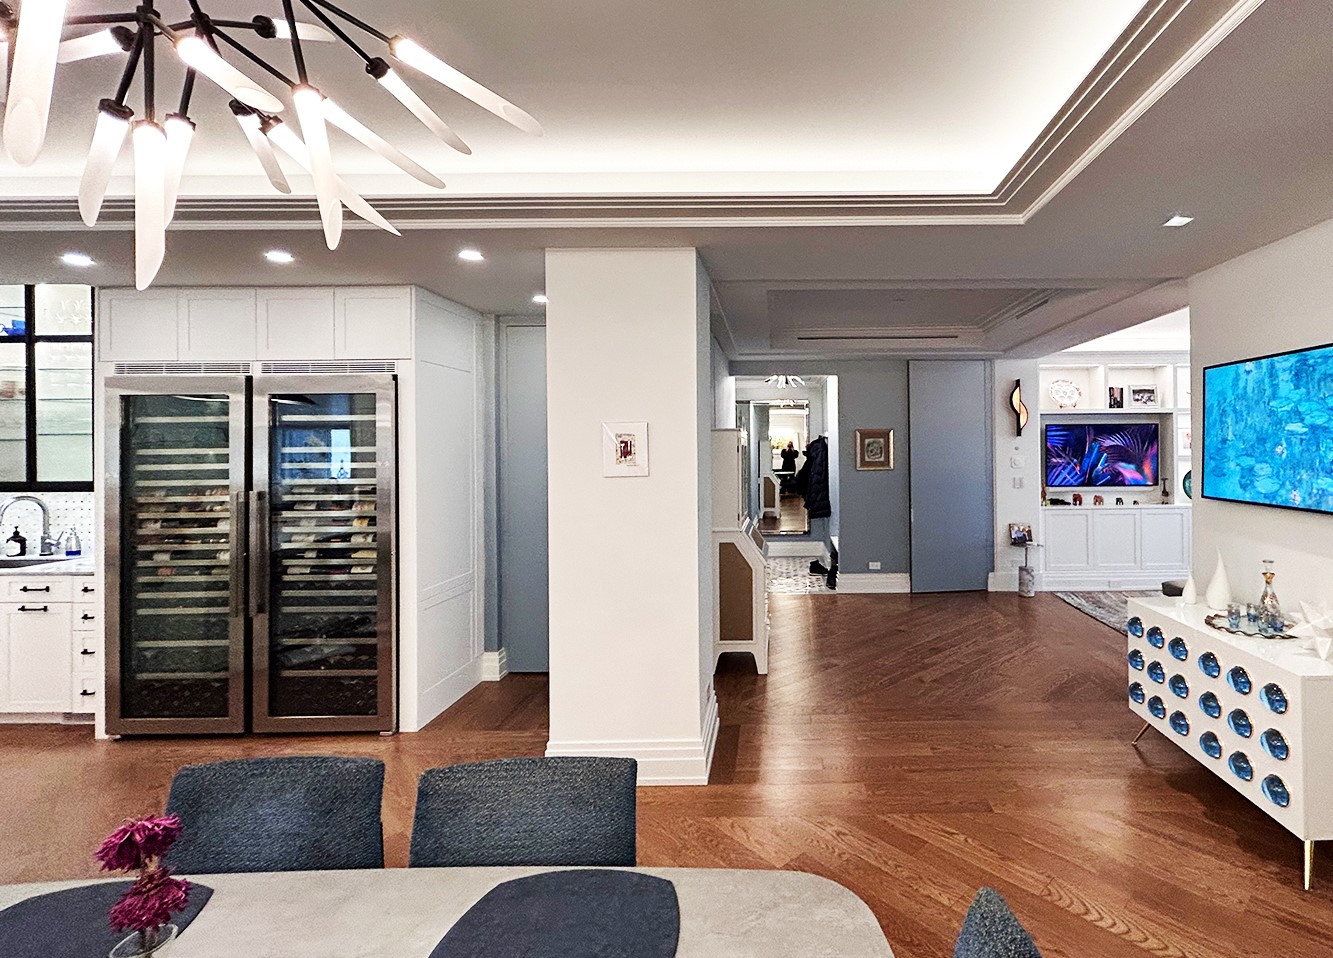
1268,430
1101,454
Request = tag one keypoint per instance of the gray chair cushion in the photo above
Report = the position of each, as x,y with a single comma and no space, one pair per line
990,930
526,811
278,814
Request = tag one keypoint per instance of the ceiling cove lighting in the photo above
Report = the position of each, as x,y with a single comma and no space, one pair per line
470,255
784,382
77,260
280,256
1179,219
36,36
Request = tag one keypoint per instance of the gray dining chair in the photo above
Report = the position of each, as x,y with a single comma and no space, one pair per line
526,811
309,813
991,930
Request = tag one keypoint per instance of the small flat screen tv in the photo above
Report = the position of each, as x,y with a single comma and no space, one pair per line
1268,430
1101,454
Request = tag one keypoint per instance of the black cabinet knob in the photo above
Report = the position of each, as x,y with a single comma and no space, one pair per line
34,588
87,618
35,608
85,692
87,652
87,588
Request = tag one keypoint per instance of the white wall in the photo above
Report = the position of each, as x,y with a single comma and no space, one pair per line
1276,298
724,388
1016,459
630,579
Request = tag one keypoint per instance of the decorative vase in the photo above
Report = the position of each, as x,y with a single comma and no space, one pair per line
1190,594
1218,595
1268,601
146,944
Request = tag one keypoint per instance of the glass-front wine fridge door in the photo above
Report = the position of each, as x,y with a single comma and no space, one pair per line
176,469
322,570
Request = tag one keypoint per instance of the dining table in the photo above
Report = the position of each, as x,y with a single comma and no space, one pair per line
405,912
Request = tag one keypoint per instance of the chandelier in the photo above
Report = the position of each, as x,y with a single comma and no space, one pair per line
783,382
43,36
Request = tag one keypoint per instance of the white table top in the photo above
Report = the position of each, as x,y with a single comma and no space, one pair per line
404,912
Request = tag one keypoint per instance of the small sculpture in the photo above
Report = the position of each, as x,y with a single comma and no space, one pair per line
1218,595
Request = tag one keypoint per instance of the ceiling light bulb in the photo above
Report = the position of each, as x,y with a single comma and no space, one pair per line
471,255
248,120
405,95
540,299
79,260
180,134
280,256
1179,219
373,141
150,201
419,58
310,111
113,125
287,141
196,53
32,77
103,43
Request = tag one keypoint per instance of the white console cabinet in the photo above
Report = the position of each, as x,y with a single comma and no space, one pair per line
1114,547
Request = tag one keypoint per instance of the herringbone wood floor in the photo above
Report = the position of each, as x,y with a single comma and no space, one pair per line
912,748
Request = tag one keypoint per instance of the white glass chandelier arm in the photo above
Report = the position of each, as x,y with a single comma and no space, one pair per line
196,53
350,125
28,108
309,104
311,32
112,41
113,125
180,134
250,125
150,207
405,95
419,58
286,140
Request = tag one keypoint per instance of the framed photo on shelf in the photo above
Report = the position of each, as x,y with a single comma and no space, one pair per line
1020,534
1184,441
624,449
874,449
1143,397
1115,397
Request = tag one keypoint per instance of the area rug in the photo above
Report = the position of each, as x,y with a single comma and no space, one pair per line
790,575
1107,608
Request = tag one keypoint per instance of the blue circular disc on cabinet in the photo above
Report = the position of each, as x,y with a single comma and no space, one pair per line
1179,723
1179,687
1135,660
1275,745
1275,790
1239,680
1156,638
1273,696
1240,723
1135,627
1209,665
1210,705
1156,672
1136,692
1211,745
1157,707
1179,650
1240,766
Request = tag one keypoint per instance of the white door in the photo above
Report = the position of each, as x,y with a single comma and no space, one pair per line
34,657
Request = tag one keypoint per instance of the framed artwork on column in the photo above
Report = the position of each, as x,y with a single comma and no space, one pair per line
624,449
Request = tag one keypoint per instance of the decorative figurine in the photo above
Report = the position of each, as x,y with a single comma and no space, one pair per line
1078,498
1099,500
1219,588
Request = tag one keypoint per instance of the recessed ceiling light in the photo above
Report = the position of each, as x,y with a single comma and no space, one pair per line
80,260
540,299
280,256
1179,219
470,255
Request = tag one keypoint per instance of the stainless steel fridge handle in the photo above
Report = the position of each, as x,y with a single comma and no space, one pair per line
236,594
258,553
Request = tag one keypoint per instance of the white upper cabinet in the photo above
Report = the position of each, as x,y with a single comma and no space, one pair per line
373,322
295,323
217,324
137,326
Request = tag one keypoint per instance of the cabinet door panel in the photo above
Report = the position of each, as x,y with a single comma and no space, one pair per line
217,324
1115,540
374,323
296,324
34,657
138,326
1068,541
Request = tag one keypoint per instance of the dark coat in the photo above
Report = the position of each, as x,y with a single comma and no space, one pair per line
812,481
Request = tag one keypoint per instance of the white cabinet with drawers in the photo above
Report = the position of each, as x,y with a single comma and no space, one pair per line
50,645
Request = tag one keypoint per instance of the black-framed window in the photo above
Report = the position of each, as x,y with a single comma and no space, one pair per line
46,388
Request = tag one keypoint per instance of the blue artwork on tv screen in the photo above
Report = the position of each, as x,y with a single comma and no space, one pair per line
1111,454
1268,430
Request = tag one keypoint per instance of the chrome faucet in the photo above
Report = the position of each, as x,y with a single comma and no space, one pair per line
48,545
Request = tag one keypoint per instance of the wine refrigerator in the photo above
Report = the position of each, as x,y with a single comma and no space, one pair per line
249,554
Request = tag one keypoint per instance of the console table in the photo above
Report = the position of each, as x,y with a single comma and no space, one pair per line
1257,712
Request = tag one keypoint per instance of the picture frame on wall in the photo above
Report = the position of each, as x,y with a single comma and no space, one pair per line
1144,397
624,449
874,450
1184,441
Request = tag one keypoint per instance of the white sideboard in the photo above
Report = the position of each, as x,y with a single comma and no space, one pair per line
1257,712
50,645
1114,547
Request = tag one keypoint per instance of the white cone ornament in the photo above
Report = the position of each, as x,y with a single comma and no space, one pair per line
1218,595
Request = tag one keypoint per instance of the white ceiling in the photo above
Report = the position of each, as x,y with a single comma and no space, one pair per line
1165,334
642,96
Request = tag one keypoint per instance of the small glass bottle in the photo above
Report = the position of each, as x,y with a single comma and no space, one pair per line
1268,602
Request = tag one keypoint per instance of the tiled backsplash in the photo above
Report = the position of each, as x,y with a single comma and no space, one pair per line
76,510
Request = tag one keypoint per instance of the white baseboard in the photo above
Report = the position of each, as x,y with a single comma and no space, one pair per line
661,761
1106,581
879,582
799,549
494,665
46,718
444,693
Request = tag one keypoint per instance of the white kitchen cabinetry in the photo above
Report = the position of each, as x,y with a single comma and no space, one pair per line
1114,547
140,326
373,322
216,324
295,323
50,645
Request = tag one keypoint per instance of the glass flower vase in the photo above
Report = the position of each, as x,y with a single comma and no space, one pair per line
146,944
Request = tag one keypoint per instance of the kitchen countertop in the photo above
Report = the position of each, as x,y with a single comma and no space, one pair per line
82,565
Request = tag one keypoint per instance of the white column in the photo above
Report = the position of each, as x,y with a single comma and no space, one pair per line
630,558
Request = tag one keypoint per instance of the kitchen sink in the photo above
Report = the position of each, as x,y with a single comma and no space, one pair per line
28,561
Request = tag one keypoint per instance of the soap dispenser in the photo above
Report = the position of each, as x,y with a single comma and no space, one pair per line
16,545
73,547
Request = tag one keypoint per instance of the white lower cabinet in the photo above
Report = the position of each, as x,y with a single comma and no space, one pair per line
1114,547
50,645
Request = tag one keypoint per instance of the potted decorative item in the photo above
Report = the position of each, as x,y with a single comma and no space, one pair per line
146,908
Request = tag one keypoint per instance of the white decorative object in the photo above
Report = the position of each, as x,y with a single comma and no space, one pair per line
624,449
1218,595
1065,392
1190,594
1316,629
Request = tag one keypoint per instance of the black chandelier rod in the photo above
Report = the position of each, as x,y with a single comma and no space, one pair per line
297,53
93,19
336,30
149,66
127,75
354,21
253,57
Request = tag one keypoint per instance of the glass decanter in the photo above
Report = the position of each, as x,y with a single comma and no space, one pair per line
1268,601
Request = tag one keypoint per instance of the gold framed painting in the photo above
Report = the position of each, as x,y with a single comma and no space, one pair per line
874,449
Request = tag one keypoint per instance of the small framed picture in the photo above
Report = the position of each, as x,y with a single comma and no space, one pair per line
1115,397
1143,397
874,449
624,449
1020,534
1184,441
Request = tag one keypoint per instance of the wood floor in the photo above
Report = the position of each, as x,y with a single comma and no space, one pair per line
911,747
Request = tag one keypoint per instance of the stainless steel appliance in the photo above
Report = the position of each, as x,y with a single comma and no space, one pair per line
250,559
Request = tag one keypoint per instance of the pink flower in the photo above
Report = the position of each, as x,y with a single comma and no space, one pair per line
150,901
132,844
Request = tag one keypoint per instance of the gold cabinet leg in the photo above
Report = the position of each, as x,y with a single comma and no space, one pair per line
1309,864
1146,726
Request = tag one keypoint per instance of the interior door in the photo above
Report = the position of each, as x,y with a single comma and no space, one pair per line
175,510
322,576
